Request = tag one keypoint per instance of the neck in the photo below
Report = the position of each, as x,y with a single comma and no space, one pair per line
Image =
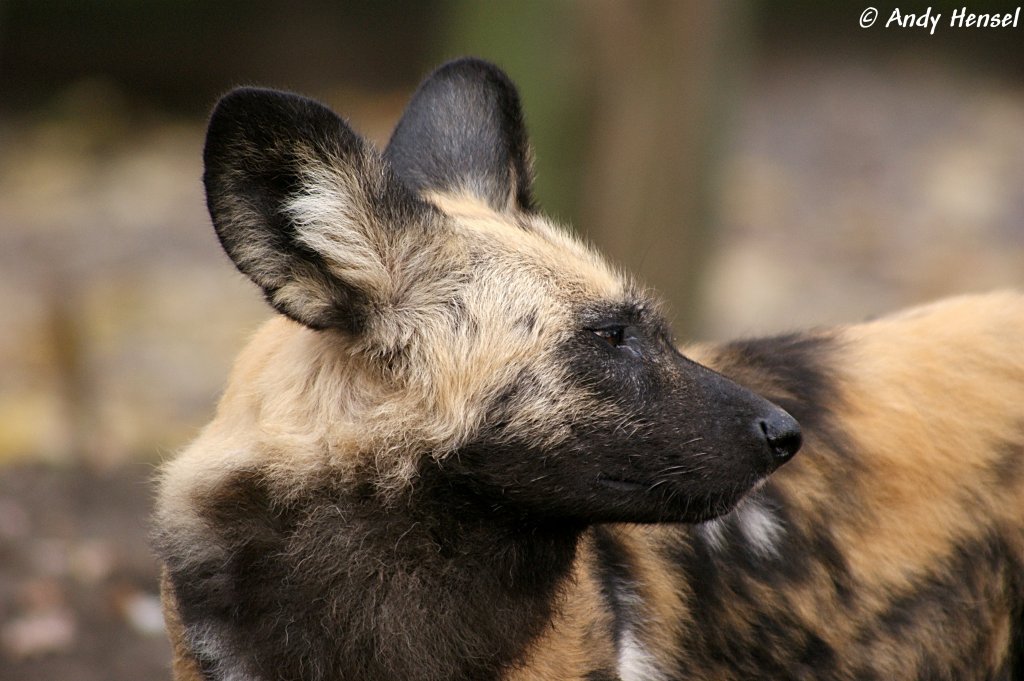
339,585
473,584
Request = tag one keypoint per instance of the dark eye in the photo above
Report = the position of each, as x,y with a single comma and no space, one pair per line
612,335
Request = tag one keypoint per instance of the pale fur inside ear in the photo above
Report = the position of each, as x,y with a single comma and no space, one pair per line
399,261
333,220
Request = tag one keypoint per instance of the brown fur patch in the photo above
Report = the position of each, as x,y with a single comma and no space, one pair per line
577,643
184,666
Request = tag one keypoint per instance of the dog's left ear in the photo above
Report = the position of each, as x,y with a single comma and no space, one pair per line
464,131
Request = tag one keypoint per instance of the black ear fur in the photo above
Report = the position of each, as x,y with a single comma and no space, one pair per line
464,130
261,147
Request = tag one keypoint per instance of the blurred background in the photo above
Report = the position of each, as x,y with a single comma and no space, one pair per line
765,165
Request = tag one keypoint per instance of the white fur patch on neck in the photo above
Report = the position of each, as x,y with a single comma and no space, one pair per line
757,523
208,644
635,662
713,532
760,527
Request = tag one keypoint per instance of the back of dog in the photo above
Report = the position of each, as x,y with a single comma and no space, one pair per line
892,547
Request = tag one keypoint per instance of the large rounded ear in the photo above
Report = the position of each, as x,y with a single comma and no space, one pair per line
464,131
304,206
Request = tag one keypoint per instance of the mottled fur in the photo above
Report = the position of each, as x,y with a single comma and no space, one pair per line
465,449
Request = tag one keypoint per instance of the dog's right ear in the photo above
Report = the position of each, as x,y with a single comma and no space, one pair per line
463,131
305,207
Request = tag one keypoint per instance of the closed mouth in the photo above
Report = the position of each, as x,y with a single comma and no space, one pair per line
622,484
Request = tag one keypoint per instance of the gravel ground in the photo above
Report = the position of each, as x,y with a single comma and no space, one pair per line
78,596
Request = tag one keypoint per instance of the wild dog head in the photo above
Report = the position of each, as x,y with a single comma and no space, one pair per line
444,327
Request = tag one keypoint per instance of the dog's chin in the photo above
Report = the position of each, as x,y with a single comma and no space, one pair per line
638,504
714,506
711,512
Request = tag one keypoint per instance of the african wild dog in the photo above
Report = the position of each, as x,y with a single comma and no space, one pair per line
467,448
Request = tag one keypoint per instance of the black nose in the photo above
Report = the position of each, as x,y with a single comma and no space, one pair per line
782,433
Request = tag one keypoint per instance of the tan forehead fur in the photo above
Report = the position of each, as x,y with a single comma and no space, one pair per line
536,243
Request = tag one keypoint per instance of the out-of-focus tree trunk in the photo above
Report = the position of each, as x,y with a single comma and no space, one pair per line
664,74
625,104
538,42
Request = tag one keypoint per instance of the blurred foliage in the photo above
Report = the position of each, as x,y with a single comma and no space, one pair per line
178,55
554,78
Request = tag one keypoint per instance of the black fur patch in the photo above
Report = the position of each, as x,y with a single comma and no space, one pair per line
1008,467
766,638
464,129
773,644
1014,663
792,370
797,372
972,584
529,321
336,585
